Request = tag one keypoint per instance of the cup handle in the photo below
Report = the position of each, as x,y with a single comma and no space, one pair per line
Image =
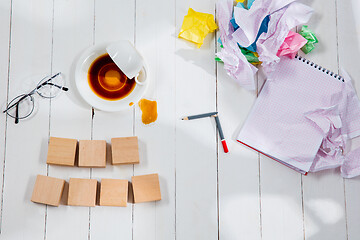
141,77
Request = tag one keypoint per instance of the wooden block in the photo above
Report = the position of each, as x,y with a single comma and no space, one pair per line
146,188
47,190
113,192
92,153
125,150
61,151
82,192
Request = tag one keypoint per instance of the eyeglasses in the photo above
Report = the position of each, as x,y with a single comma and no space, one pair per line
23,105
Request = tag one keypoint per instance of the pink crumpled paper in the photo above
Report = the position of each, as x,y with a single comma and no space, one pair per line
291,45
284,16
281,22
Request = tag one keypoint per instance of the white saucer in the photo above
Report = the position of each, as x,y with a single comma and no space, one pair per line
82,84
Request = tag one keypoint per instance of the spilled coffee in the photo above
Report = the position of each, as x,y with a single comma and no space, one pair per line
107,81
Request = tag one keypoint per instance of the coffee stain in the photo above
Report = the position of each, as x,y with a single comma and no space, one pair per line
107,81
149,111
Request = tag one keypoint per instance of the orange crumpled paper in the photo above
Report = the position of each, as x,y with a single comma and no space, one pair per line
196,26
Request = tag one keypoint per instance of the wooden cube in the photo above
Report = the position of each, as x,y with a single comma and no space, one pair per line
146,188
82,192
47,190
61,151
113,192
125,150
92,153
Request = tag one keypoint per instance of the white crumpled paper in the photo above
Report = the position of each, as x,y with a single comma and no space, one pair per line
281,22
284,15
224,11
249,21
235,63
339,124
330,154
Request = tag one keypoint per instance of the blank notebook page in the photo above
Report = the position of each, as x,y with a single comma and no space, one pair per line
277,126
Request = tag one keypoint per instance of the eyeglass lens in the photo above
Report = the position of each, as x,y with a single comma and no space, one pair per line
23,105
20,107
51,86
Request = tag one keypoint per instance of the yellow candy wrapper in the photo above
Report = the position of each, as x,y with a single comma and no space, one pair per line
196,26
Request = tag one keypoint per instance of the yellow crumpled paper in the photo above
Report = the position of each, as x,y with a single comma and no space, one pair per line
196,26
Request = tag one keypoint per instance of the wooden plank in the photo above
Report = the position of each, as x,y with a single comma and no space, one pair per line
70,117
5,10
281,201
324,190
25,154
196,149
352,208
239,203
155,23
348,28
109,28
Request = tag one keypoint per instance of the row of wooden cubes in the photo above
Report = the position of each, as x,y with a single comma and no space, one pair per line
83,192
92,153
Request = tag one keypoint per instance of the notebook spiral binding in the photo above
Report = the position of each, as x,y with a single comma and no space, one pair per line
320,68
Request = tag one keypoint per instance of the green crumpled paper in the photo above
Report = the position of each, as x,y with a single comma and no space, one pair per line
310,36
251,57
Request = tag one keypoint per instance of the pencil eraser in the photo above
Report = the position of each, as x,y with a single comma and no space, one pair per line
226,150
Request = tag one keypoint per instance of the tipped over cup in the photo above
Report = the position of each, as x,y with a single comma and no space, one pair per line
129,60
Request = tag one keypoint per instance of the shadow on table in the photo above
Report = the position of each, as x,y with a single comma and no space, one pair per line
196,55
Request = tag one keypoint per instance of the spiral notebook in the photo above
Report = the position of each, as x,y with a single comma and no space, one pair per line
278,126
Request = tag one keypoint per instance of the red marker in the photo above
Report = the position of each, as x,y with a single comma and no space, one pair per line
223,141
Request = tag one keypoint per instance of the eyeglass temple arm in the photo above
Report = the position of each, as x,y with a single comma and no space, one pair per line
17,114
46,82
16,103
51,84
32,92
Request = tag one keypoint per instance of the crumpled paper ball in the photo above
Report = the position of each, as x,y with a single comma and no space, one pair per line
196,26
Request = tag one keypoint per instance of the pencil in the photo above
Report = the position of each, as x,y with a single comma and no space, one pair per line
222,138
199,116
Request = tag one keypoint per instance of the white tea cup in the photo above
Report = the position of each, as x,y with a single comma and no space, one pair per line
129,60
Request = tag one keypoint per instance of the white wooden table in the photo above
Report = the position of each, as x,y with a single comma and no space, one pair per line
206,194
